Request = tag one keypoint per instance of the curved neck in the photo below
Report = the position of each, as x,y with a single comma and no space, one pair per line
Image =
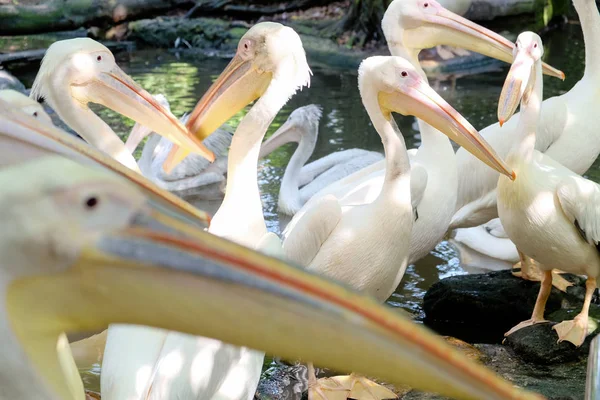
396,159
528,118
90,126
291,178
590,25
242,182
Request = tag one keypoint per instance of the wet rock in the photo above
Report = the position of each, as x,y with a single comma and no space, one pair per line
538,344
481,308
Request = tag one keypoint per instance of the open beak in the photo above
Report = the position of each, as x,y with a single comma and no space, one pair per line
282,136
153,273
518,82
423,102
23,138
237,86
117,91
445,27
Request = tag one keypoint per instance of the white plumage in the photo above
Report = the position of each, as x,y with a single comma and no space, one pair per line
549,212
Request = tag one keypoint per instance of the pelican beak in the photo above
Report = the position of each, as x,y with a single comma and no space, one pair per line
445,27
281,137
153,273
238,85
420,100
517,85
117,91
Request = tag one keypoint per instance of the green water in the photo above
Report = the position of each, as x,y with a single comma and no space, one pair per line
183,78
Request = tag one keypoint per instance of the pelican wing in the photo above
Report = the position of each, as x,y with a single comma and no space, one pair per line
339,171
314,169
306,233
418,183
580,201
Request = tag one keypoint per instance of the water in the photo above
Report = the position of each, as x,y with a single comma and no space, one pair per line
183,78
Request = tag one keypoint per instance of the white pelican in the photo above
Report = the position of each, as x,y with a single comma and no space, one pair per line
550,213
194,176
270,65
566,132
367,245
83,248
300,182
409,26
79,71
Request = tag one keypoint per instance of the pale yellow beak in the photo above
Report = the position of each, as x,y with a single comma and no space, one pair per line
117,91
237,86
447,28
516,85
155,272
423,102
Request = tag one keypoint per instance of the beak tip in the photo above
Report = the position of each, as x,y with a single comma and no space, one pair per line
562,75
501,121
513,176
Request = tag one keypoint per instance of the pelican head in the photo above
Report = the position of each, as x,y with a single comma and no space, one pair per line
25,104
521,77
413,25
302,124
400,88
86,71
268,53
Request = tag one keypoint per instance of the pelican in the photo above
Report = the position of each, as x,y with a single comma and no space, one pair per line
193,177
107,264
410,26
566,133
78,71
300,182
270,66
367,245
551,213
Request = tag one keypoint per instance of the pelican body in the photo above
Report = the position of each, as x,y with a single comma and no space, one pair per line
367,245
549,212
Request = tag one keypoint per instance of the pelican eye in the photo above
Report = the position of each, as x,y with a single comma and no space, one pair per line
91,202
535,45
35,114
426,5
99,58
404,74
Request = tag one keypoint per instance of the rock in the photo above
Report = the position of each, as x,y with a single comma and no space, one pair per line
539,343
481,308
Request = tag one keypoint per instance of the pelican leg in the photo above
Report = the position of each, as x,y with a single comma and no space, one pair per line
345,387
575,330
537,316
531,272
